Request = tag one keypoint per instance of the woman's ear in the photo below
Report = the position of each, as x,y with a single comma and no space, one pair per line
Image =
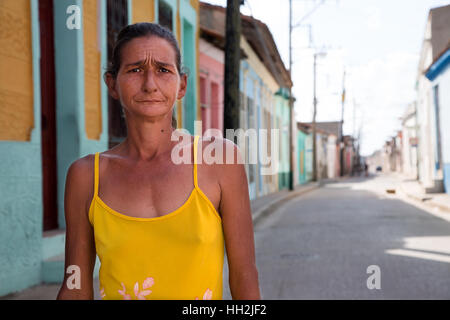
183,86
111,84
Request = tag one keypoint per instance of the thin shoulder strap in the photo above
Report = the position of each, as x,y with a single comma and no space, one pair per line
96,173
195,160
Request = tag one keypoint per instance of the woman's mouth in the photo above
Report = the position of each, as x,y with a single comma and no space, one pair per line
151,101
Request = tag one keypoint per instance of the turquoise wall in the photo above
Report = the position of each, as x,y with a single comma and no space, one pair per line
301,148
188,18
21,194
72,142
282,112
309,157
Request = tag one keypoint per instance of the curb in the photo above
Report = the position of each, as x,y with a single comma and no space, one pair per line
425,200
440,206
272,206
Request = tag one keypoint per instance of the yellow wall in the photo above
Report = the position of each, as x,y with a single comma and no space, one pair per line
92,68
259,67
143,11
16,71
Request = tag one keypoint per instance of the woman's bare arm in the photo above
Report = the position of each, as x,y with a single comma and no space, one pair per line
80,245
238,229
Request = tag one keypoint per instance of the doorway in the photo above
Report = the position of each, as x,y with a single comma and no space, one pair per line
48,116
117,18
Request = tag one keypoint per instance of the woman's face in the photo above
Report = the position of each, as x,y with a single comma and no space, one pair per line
148,82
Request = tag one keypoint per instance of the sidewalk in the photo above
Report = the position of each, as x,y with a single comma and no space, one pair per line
261,207
414,190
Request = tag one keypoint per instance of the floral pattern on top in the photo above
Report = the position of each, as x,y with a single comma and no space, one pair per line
207,295
102,293
139,294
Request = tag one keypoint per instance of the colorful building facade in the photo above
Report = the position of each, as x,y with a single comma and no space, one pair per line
264,99
54,109
435,42
439,75
304,157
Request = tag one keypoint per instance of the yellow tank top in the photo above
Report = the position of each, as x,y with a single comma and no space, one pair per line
178,256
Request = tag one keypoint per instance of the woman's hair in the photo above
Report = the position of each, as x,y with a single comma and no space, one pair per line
142,29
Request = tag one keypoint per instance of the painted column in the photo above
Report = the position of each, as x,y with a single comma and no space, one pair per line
71,50
188,21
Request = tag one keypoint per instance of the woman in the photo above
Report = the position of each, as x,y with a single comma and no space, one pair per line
158,228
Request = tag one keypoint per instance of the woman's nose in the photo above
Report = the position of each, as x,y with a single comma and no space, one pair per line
149,83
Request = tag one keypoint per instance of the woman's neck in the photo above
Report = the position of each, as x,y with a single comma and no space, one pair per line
147,140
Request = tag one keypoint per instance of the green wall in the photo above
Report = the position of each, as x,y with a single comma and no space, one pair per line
188,19
301,154
72,142
282,113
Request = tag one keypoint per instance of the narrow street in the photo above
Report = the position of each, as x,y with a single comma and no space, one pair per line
319,245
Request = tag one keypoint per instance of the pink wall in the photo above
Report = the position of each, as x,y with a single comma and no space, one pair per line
211,91
338,161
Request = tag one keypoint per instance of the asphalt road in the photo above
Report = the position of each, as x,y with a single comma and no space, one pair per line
320,245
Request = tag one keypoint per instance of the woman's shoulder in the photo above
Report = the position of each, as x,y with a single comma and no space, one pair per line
80,181
83,166
81,174
222,159
219,150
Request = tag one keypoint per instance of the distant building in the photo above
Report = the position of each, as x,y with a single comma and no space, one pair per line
327,146
264,90
375,160
304,153
439,75
349,154
410,142
435,43
331,130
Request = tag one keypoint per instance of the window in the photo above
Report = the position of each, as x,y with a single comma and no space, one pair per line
241,100
165,15
280,139
242,114
214,101
117,18
438,152
250,111
203,93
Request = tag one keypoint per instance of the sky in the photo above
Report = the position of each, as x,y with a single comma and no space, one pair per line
376,42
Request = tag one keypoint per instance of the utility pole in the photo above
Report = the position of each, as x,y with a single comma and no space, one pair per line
291,27
315,175
291,106
342,146
314,123
356,157
232,65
